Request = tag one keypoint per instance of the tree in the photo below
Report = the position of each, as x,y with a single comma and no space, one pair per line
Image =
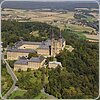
11,63
28,69
80,70
30,55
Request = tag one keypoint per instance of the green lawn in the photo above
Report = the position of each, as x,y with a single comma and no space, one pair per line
79,27
6,80
41,96
34,78
81,35
18,93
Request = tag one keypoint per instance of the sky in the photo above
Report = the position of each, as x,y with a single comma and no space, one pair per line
51,0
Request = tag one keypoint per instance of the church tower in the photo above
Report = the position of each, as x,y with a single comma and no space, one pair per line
56,44
60,40
52,44
59,43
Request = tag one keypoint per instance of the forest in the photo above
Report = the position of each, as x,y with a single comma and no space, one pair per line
80,74
12,31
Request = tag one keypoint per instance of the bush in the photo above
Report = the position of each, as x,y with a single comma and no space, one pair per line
30,55
11,63
28,69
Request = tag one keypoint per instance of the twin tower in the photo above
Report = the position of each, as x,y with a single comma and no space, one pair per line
57,44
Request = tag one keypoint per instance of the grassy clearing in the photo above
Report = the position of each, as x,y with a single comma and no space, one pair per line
20,93
94,37
45,16
81,35
6,81
34,77
66,15
79,27
41,96
35,33
17,93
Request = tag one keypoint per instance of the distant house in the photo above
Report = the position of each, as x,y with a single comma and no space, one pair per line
54,64
32,63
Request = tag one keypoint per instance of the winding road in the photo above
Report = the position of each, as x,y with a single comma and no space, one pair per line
14,78
50,96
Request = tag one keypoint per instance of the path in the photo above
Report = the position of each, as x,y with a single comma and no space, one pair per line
14,78
50,96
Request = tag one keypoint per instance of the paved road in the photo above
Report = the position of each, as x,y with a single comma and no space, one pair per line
50,96
10,71
12,89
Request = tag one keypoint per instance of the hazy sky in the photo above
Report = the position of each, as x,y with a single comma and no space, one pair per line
51,0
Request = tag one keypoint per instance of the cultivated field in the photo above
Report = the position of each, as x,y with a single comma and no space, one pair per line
79,27
54,18
51,16
42,16
96,37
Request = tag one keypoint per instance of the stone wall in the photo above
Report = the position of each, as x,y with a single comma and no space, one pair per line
53,65
31,65
34,65
44,52
18,66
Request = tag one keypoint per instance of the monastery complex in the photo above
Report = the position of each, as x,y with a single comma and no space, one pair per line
21,50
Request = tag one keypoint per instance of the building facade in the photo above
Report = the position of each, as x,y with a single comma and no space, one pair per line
57,44
54,64
33,63
14,53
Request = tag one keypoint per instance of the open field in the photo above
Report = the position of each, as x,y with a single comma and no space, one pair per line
92,38
42,16
79,28
74,27
50,16
54,18
42,96
20,93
